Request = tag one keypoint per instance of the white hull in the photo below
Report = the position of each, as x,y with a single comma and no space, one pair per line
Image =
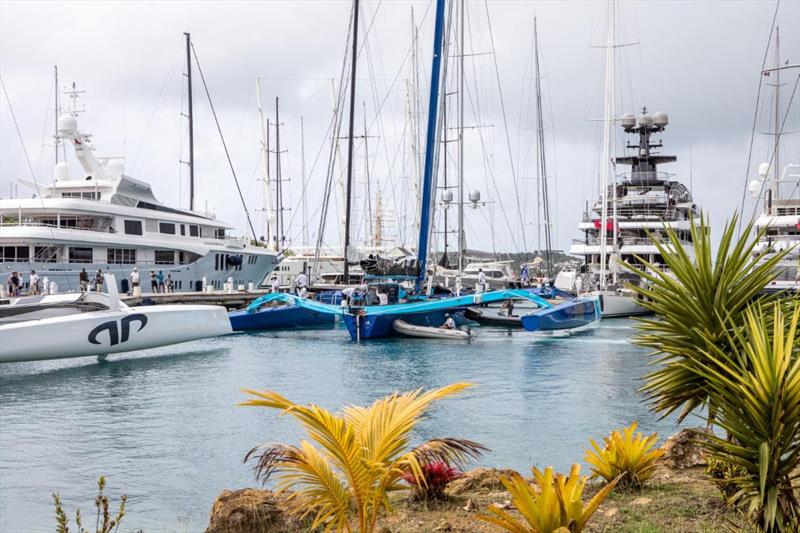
423,332
617,305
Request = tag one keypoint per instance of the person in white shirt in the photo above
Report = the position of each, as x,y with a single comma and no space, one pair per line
33,283
449,323
301,281
275,284
383,298
481,287
135,277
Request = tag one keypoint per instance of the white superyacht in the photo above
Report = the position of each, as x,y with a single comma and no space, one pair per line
99,218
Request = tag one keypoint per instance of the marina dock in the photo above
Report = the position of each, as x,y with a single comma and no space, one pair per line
229,300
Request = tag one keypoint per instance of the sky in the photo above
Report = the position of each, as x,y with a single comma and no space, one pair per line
698,61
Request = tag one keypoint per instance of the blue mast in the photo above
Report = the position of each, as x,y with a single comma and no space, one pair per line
430,146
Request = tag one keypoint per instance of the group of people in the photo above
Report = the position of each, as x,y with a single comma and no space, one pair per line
158,281
96,282
14,284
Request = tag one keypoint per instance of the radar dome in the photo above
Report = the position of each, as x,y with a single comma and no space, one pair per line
754,187
628,120
645,120
475,196
447,196
61,171
660,119
67,124
115,168
763,169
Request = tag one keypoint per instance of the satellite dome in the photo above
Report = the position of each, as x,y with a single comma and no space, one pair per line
475,196
447,196
660,119
628,120
61,171
67,124
763,169
115,168
645,120
754,187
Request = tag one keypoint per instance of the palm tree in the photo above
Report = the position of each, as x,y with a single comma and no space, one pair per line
698,300
758,405
354,459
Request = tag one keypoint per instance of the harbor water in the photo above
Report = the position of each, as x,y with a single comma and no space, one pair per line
163,425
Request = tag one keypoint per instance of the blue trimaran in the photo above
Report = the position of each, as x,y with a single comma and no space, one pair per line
375,321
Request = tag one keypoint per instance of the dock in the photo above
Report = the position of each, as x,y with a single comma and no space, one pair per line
229,300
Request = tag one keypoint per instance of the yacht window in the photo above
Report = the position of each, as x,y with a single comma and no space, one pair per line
165,257
15,253
194,230
121,256
45,254
133,227
183,230
219,233
166,227
181,258
80,255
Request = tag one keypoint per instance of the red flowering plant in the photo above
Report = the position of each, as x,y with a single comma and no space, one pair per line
436,476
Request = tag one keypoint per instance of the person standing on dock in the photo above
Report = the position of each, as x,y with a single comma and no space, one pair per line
33,283
99,279
160,279
83,277
135,278
274,284
481,286
153,282
169,283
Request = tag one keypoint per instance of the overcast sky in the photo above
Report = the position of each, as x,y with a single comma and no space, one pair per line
699,61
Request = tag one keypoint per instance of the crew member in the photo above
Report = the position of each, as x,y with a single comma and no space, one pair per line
33,283
481,287
449,323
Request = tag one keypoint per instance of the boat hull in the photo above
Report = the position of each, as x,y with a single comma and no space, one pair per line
570,315
283,317
377,326
616,305
109,332
423,332
489,316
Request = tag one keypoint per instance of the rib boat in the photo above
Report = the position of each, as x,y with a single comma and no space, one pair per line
60,326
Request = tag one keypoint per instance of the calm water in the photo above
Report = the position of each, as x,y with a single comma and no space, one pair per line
163,425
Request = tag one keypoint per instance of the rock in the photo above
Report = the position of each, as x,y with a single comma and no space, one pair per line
444,526
683,450
611,512
480,478
245,510
641,500
470,506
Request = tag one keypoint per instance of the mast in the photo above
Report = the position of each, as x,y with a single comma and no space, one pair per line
268,213
461,243
190,118
776,168
279,229
350,143
608,118
303,178
541,156
368,207
55,112
430,145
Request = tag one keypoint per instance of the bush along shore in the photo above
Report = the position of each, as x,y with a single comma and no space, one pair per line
682,494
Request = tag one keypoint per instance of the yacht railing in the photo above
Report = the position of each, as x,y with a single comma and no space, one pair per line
626,241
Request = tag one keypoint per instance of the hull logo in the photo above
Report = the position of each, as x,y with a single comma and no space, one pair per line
117,335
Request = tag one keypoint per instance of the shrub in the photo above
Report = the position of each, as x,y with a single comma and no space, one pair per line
626,453
357,458
435,478
103,522
554,505
725,475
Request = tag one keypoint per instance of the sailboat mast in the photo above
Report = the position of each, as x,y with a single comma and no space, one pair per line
280,230
541,157
56,113
265,162
303,178
368,207
350,142
608,118
461,243
776,168
430,146
190,118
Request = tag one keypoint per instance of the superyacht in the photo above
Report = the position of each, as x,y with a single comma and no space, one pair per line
99,218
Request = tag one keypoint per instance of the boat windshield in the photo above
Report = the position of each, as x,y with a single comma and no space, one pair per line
10,314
